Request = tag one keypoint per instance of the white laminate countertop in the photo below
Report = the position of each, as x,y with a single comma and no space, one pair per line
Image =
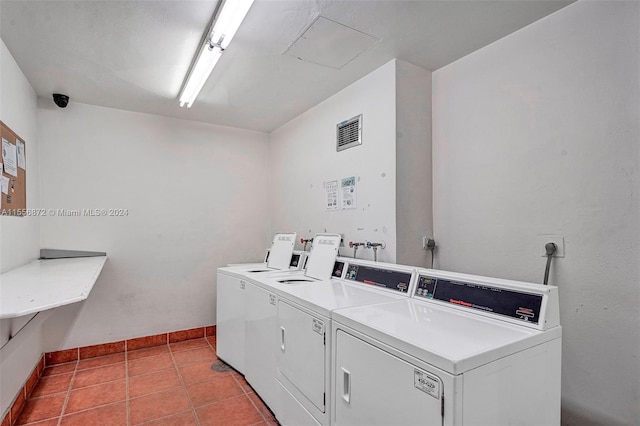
47,283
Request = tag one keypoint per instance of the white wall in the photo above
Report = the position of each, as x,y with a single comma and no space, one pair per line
19,236
196,199
538,133
303,157
414,219
395,155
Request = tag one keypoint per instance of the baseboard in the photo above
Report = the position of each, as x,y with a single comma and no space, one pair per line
93,351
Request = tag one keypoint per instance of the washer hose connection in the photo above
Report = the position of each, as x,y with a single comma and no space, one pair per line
355,246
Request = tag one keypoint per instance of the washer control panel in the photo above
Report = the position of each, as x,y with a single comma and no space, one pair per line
517,304
380,277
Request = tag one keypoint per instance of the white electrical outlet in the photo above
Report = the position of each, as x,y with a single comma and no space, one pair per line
558,240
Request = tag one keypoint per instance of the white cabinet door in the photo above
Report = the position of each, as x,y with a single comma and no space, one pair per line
372,387
261,343
230,321
302,351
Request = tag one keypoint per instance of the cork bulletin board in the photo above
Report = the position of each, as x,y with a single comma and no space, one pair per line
14,173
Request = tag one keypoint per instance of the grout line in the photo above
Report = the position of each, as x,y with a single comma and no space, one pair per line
184,386
42,376
236,378
98,358
80,388
161,418
264,419
246,394
84,410
68,396
243,387
211,346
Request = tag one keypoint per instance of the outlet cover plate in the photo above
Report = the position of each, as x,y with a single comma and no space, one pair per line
548,238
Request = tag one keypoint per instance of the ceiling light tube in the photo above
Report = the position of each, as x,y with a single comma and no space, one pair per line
207,59
224,28
229,20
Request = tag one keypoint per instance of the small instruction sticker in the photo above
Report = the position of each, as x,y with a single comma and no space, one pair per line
426,383
272,299
318,326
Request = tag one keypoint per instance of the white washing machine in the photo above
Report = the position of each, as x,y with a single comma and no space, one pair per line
303,341
230,300
464,350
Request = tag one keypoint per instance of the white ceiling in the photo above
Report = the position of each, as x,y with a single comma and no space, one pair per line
134,54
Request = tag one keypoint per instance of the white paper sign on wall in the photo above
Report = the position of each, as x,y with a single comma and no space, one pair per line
331,189
348,191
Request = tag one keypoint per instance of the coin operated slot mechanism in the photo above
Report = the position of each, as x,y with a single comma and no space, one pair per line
391,279
521,305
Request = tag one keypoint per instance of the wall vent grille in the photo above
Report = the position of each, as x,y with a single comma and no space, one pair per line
349,133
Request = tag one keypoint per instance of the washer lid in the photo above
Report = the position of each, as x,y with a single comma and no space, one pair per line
448,339
323,256
281,251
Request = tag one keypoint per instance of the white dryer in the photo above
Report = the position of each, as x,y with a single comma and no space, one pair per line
304,341
464,350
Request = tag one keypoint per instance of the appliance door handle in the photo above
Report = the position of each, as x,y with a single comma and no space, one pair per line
346,385
282,330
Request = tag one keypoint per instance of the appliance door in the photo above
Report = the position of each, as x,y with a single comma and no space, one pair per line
230,320
301,358
261,343
373,387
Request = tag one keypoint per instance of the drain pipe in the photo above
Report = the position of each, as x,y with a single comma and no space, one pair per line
550,249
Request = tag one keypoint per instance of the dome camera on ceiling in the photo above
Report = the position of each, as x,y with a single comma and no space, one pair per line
61,100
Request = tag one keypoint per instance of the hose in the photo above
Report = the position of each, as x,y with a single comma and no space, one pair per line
550,249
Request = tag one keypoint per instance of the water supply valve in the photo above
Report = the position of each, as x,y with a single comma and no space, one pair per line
305,242
355,246
375,247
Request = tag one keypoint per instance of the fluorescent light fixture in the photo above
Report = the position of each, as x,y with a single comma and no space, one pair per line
207,59
229,18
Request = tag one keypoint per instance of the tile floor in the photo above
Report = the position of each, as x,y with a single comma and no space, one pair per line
171,384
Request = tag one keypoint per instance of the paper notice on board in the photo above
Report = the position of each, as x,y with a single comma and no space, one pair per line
9,158
331,189
22,159
5,184
348,187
